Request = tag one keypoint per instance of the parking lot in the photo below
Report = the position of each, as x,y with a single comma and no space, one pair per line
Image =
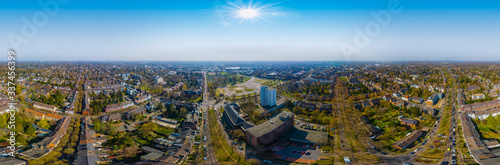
294,153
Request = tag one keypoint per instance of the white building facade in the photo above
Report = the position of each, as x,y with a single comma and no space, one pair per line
267,97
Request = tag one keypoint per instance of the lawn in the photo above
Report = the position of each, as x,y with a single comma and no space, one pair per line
433,153
368,159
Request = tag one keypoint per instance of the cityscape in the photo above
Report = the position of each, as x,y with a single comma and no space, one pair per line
250,82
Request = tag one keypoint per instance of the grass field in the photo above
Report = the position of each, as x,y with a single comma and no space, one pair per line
368,159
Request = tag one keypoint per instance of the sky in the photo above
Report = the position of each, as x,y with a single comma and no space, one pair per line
283,30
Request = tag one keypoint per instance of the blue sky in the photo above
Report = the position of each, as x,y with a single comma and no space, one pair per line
290,30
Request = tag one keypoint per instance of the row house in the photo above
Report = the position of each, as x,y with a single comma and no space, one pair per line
472,88
44,106
138,111
114,117
461,99
408,140
481,106
71,108
119,106
86,102
3,99
142,98
478,96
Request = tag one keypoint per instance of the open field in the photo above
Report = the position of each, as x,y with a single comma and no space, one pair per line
247,87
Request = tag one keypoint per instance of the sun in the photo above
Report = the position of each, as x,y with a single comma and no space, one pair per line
239,12
248,13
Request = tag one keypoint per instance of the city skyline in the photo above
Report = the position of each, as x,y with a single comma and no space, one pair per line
288,31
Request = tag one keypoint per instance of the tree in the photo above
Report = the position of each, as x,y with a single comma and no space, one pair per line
31,130
159,107
18,89
3,121
183,111
147,129
69,151
43,123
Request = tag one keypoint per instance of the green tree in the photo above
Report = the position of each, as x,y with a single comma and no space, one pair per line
3,121
43,124
147,129
31,131
69,151
19,88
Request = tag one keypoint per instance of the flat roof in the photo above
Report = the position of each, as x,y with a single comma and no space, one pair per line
306,136
10,160
270,125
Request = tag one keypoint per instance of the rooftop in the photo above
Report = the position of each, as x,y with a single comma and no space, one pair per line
271,124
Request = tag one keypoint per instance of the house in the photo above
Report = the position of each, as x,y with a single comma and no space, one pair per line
44,106
478,96
434,98
409,122
461,99
406,98
418,100
142,98
415,86
119,106
114,117
386,97
408,140
440,88
472,88
396,94
496,87
403,90
401,103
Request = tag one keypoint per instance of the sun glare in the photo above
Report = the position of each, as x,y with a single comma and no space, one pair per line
248,13
241,13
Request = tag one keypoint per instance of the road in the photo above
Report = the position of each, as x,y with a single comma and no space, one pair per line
447,158
209,154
